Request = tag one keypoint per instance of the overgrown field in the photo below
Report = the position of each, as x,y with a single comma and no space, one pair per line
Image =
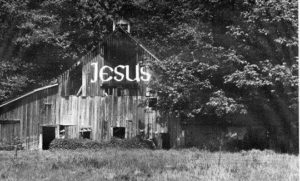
116,164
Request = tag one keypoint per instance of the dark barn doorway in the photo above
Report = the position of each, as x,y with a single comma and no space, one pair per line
86,135
165,141
48,136
119,132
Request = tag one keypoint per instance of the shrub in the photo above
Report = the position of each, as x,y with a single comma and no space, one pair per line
10,147
70,144
73,144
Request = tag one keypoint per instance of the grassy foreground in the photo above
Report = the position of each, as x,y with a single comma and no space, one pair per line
114,164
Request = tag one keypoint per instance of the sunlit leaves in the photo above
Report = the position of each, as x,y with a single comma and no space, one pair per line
221,105
249,77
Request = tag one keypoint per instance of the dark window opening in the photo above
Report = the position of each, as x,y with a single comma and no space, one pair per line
85,133
133,92
62,131
119,132
48,134
119,92
150,93
108,91
152,102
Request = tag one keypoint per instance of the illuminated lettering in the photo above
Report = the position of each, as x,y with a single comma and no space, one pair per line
120,74
140,73
146,74
95,65
102,73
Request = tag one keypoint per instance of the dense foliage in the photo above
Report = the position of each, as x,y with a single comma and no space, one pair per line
221,59
236,58
73,144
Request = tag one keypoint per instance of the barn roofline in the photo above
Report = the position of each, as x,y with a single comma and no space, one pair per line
27,94
139,44
132,38
80,60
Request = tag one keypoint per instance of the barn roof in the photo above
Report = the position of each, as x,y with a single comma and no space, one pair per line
29,93
139,44
81,60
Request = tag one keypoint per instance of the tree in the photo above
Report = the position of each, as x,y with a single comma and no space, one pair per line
244,62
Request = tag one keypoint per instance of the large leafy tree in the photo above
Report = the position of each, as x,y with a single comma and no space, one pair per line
11,67
235,58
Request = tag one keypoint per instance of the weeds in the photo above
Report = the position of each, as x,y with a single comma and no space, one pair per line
145,164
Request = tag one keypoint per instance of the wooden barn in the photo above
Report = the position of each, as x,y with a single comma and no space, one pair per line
81,104
92,100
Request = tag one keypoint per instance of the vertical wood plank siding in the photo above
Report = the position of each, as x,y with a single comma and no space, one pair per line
98,113
9,130
31,111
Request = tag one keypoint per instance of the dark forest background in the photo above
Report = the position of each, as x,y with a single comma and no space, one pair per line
220,58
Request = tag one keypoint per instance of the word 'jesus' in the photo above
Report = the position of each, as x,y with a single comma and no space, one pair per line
140,73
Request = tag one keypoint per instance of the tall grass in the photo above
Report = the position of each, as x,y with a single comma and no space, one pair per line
115,164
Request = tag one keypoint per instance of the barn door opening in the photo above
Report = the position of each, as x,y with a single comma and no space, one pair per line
85,133
48,134
119,132
165,141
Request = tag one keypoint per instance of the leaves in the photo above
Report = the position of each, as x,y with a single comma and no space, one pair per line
226,65
222,105
249,78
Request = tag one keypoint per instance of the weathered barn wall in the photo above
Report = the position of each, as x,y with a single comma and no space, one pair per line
9,130
32,111
101,114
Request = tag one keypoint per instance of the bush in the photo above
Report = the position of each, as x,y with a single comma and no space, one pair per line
10,147
73,144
